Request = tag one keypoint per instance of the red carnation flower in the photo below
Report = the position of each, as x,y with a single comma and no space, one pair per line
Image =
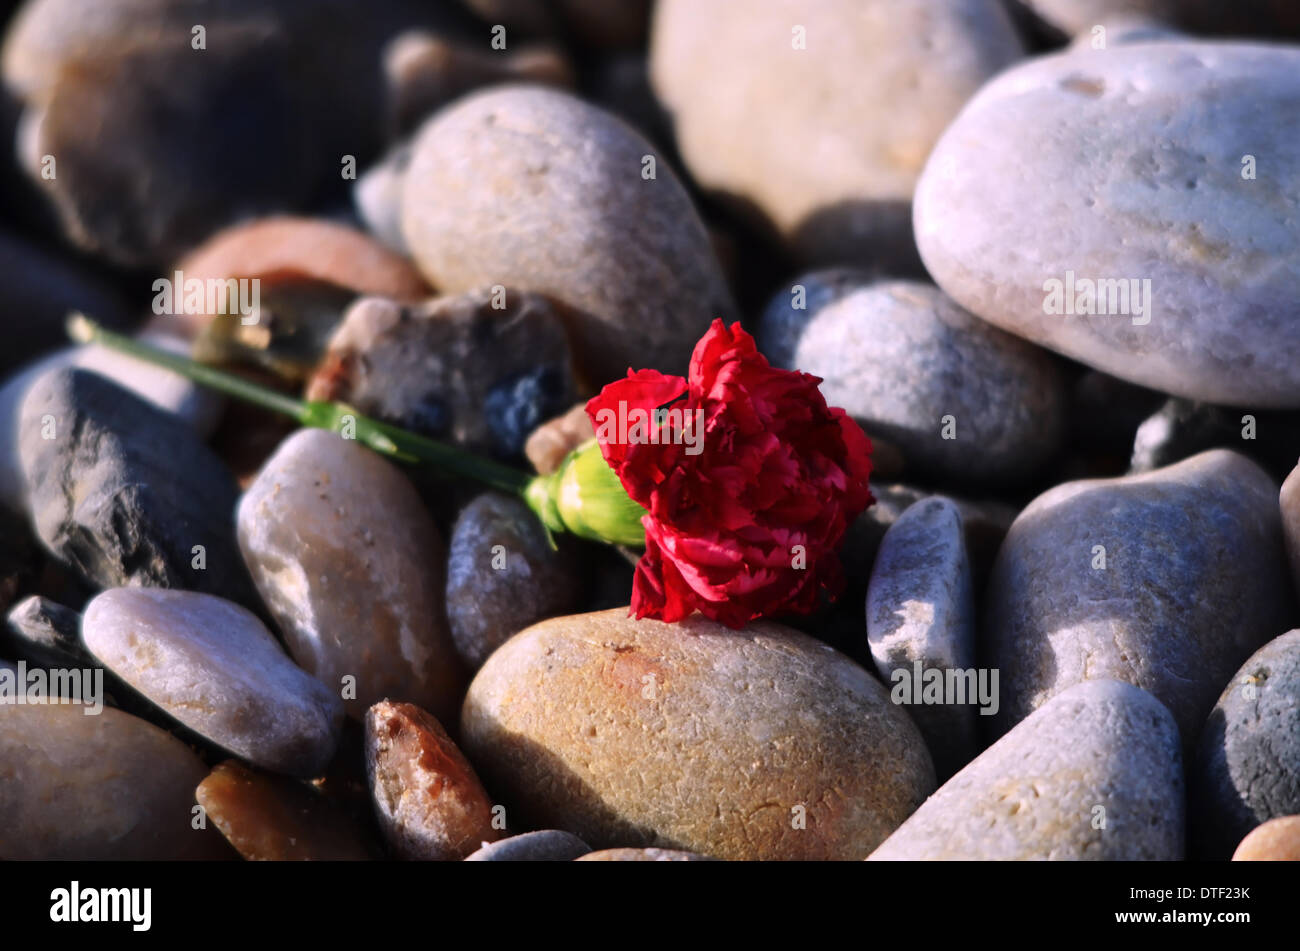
744,514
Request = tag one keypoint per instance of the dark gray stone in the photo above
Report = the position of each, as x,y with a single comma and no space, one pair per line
1248,762
1182,428
1096,773
503,575
123,492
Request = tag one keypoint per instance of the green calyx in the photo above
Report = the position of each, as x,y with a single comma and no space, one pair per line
584,497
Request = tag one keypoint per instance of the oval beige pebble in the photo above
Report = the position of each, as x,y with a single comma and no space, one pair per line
537,190
88,787
351,565
642,855
819,116
429,802
754,744
1133,210
215,667
1277,840
271,818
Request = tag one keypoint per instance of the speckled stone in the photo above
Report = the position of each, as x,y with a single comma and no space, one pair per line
427,798
216,668
825,143
1096,773
351,566
274,819
123,492
790,309
477,369
1277,840
908,363
503,575
1193,583
1125,166
627,258
921,607
99,787
757,744
642,855
545,845
1247,769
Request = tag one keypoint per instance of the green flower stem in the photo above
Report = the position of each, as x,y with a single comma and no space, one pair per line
392,441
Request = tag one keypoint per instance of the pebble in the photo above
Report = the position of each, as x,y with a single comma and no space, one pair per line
1011,200
1192,585
642,855
1095,773
921,609
625,257
1248,765
429,802
1257,17
984,525
308,271
425,71
125,493
759,744
39,291
1290,500
549,444
275,819
961,399
199,407
1277,840
41,631
216,668
377,197
789,311
121,96
351,566
1180,428
502,575
545,845
785,129
96,787
481,370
